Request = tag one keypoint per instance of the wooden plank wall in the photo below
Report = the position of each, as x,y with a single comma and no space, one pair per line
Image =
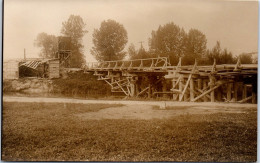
54,69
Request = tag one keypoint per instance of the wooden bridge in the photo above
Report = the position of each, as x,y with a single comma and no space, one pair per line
156,78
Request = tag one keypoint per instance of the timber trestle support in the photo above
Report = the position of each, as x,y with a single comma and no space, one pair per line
156,78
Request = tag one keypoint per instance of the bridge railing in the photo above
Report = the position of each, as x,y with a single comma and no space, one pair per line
136,64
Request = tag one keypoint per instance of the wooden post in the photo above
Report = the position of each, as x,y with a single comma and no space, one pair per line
235,90
229,91
137,88
149,91
186,96
132,88
191,89
199,85
164,88
180,86
204,88
173,86
212,93
244,93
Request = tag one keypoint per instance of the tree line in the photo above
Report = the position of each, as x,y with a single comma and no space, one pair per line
109,43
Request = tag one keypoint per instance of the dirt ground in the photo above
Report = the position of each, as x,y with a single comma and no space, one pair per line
143,110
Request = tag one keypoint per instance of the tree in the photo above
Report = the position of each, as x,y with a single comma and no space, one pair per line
246,58
138,54
109,41
196,47
48,45
226,57
169,41
221,56
74,28
132,52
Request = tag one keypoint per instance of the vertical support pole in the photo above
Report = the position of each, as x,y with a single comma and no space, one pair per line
244,94
173,86
199,85
137,86
204,88
212,93
149,91
185,96
180,85
235,90
191,89
229,91
132,88
164,88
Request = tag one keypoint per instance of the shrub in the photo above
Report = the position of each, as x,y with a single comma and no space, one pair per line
81,84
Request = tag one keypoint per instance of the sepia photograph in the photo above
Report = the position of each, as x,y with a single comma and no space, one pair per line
129,80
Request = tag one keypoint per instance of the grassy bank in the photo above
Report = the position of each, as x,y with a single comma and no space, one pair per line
82,85
53,132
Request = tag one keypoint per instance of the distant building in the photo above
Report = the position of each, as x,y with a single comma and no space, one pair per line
32,67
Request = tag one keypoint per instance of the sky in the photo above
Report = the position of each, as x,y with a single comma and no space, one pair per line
233,23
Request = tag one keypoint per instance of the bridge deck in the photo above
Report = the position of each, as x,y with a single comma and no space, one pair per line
151,77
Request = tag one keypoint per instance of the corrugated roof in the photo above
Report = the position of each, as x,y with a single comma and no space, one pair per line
31,64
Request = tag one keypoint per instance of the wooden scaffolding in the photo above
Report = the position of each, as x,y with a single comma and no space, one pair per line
155,77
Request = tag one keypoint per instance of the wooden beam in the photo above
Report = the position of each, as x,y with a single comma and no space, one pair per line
204,89
212,93
199,85
142,91
173,86
122,88
246,99
180,86
244,93
185,88
235,90
204,94
149,91
191,89
229,91
164,88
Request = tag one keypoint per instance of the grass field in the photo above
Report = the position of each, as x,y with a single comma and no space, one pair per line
52,132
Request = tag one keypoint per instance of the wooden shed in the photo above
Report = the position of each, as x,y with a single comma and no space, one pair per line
54,68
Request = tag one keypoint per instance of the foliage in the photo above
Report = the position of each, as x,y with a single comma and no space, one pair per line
221,56
246,58
168,41
109,41
74,28
132,52
138,54
196,47
172,41
48,45
81,84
